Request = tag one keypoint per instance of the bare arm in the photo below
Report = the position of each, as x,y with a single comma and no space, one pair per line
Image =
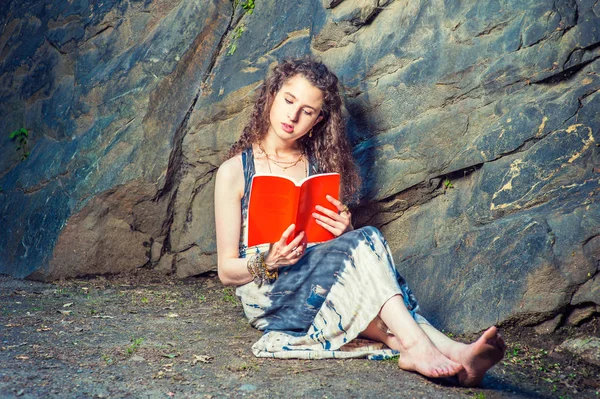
229,189
233,270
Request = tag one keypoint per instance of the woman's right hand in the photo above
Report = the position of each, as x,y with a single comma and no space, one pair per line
282,254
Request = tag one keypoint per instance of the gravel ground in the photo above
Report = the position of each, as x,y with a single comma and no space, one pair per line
147,336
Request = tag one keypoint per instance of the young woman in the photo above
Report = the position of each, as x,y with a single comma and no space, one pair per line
316,301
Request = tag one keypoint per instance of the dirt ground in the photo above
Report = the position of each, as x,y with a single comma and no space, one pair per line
147,336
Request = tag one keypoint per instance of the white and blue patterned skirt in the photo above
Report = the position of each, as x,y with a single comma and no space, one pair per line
318,307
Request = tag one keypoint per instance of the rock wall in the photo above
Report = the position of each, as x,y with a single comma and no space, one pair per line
475,124
103,88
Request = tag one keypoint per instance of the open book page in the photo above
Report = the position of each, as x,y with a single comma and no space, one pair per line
313,192
274,206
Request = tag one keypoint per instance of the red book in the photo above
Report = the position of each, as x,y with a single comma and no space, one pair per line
278,201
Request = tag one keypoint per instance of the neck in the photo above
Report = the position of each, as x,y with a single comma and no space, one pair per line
273,145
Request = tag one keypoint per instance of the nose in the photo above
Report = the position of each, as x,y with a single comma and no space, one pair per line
293,114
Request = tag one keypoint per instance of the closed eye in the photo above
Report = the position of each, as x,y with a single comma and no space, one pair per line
307,112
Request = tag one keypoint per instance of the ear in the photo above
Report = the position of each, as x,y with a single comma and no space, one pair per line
319,119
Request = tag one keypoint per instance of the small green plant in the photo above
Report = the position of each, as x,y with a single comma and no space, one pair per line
20,137
229,296
237,33
107,359
135,344
248,6
393,359
448,184
515,351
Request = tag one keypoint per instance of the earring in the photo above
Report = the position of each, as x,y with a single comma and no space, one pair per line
310,133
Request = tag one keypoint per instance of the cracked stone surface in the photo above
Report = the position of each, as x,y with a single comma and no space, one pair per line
475,125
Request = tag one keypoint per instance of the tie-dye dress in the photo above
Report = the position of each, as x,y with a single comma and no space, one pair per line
318,307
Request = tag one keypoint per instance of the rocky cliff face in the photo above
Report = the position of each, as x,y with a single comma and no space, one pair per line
475,125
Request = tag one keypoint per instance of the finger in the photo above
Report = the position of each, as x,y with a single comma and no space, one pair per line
296,253
296,242
293,256
329,212
333,230
286,234
329,221
338,204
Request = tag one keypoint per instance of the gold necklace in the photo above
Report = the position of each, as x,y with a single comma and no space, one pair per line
290,164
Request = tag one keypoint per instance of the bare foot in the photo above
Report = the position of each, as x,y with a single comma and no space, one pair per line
426,359
480,356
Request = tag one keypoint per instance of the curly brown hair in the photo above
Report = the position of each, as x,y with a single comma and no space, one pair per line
328,145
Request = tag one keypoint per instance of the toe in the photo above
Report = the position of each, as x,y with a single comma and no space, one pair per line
490,333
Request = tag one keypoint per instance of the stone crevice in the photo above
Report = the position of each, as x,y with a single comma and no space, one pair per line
452,100
371,16
391,208
394,206
388,70
564,75
541,40
587,240
497,28
290,36
148,264
217,117
576,19
176,158
98,33
579,107
567,28
523,147
339,33
54,46
332,3
194,245
204,180
573,60
42,184
168,221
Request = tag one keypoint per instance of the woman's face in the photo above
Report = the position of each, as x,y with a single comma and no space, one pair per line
296,108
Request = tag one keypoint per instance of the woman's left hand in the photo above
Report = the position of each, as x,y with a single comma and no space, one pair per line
335,223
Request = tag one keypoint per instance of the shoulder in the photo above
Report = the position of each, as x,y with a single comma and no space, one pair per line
231,172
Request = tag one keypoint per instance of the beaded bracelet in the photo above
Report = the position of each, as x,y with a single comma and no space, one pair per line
258,269
271,275
252,269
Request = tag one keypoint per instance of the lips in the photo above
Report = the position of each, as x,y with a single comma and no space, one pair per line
287,128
